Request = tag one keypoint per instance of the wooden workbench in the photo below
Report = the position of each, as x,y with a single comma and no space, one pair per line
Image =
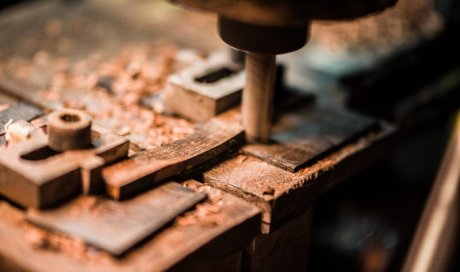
261,204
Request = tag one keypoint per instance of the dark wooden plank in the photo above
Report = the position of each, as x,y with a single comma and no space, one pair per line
208,88
283,195
301,137
131,176
117,226
216,229
286,249
17,112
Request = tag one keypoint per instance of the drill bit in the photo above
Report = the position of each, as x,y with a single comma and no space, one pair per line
258,93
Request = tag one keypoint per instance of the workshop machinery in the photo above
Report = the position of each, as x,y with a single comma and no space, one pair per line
123,147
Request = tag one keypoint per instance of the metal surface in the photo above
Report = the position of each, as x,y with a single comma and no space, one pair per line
290,12
260,38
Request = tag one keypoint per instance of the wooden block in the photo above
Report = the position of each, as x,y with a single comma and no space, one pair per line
205,90
303,136
216,229
32,175
117,226
283,195
132,176
286,249
19,111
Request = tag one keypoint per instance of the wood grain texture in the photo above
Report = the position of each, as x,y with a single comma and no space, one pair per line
303,136
205,100
145,169
283,195
117,226
18,111
286,249
216,229
33,176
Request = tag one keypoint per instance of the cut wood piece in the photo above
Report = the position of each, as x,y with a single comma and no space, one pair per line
206,89
283,195
301,137
286,249
33,175
132,176
217,228
117,226
19,111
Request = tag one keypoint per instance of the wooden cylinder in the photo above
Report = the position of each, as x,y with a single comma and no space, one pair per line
68,130
258,92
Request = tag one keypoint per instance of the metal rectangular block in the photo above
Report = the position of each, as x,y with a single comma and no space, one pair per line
117,226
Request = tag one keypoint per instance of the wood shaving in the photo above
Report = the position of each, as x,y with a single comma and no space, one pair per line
113,91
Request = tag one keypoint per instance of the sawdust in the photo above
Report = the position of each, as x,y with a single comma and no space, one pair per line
207,214
41,239
122,93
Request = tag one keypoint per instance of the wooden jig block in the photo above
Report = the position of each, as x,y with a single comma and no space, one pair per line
302,136
190,243
282,194
117,226
132,176
34,175
206,89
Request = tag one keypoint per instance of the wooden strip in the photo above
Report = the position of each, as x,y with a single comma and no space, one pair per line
215,229
117,226
302,137
17,112
283,195
131,176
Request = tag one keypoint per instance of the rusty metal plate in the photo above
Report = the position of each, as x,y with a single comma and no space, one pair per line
117,226
301,137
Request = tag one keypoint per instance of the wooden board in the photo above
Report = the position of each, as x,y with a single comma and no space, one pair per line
286,249
145,169
283,195
33,175
117,226
207,89
301,137
16,112
216,229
